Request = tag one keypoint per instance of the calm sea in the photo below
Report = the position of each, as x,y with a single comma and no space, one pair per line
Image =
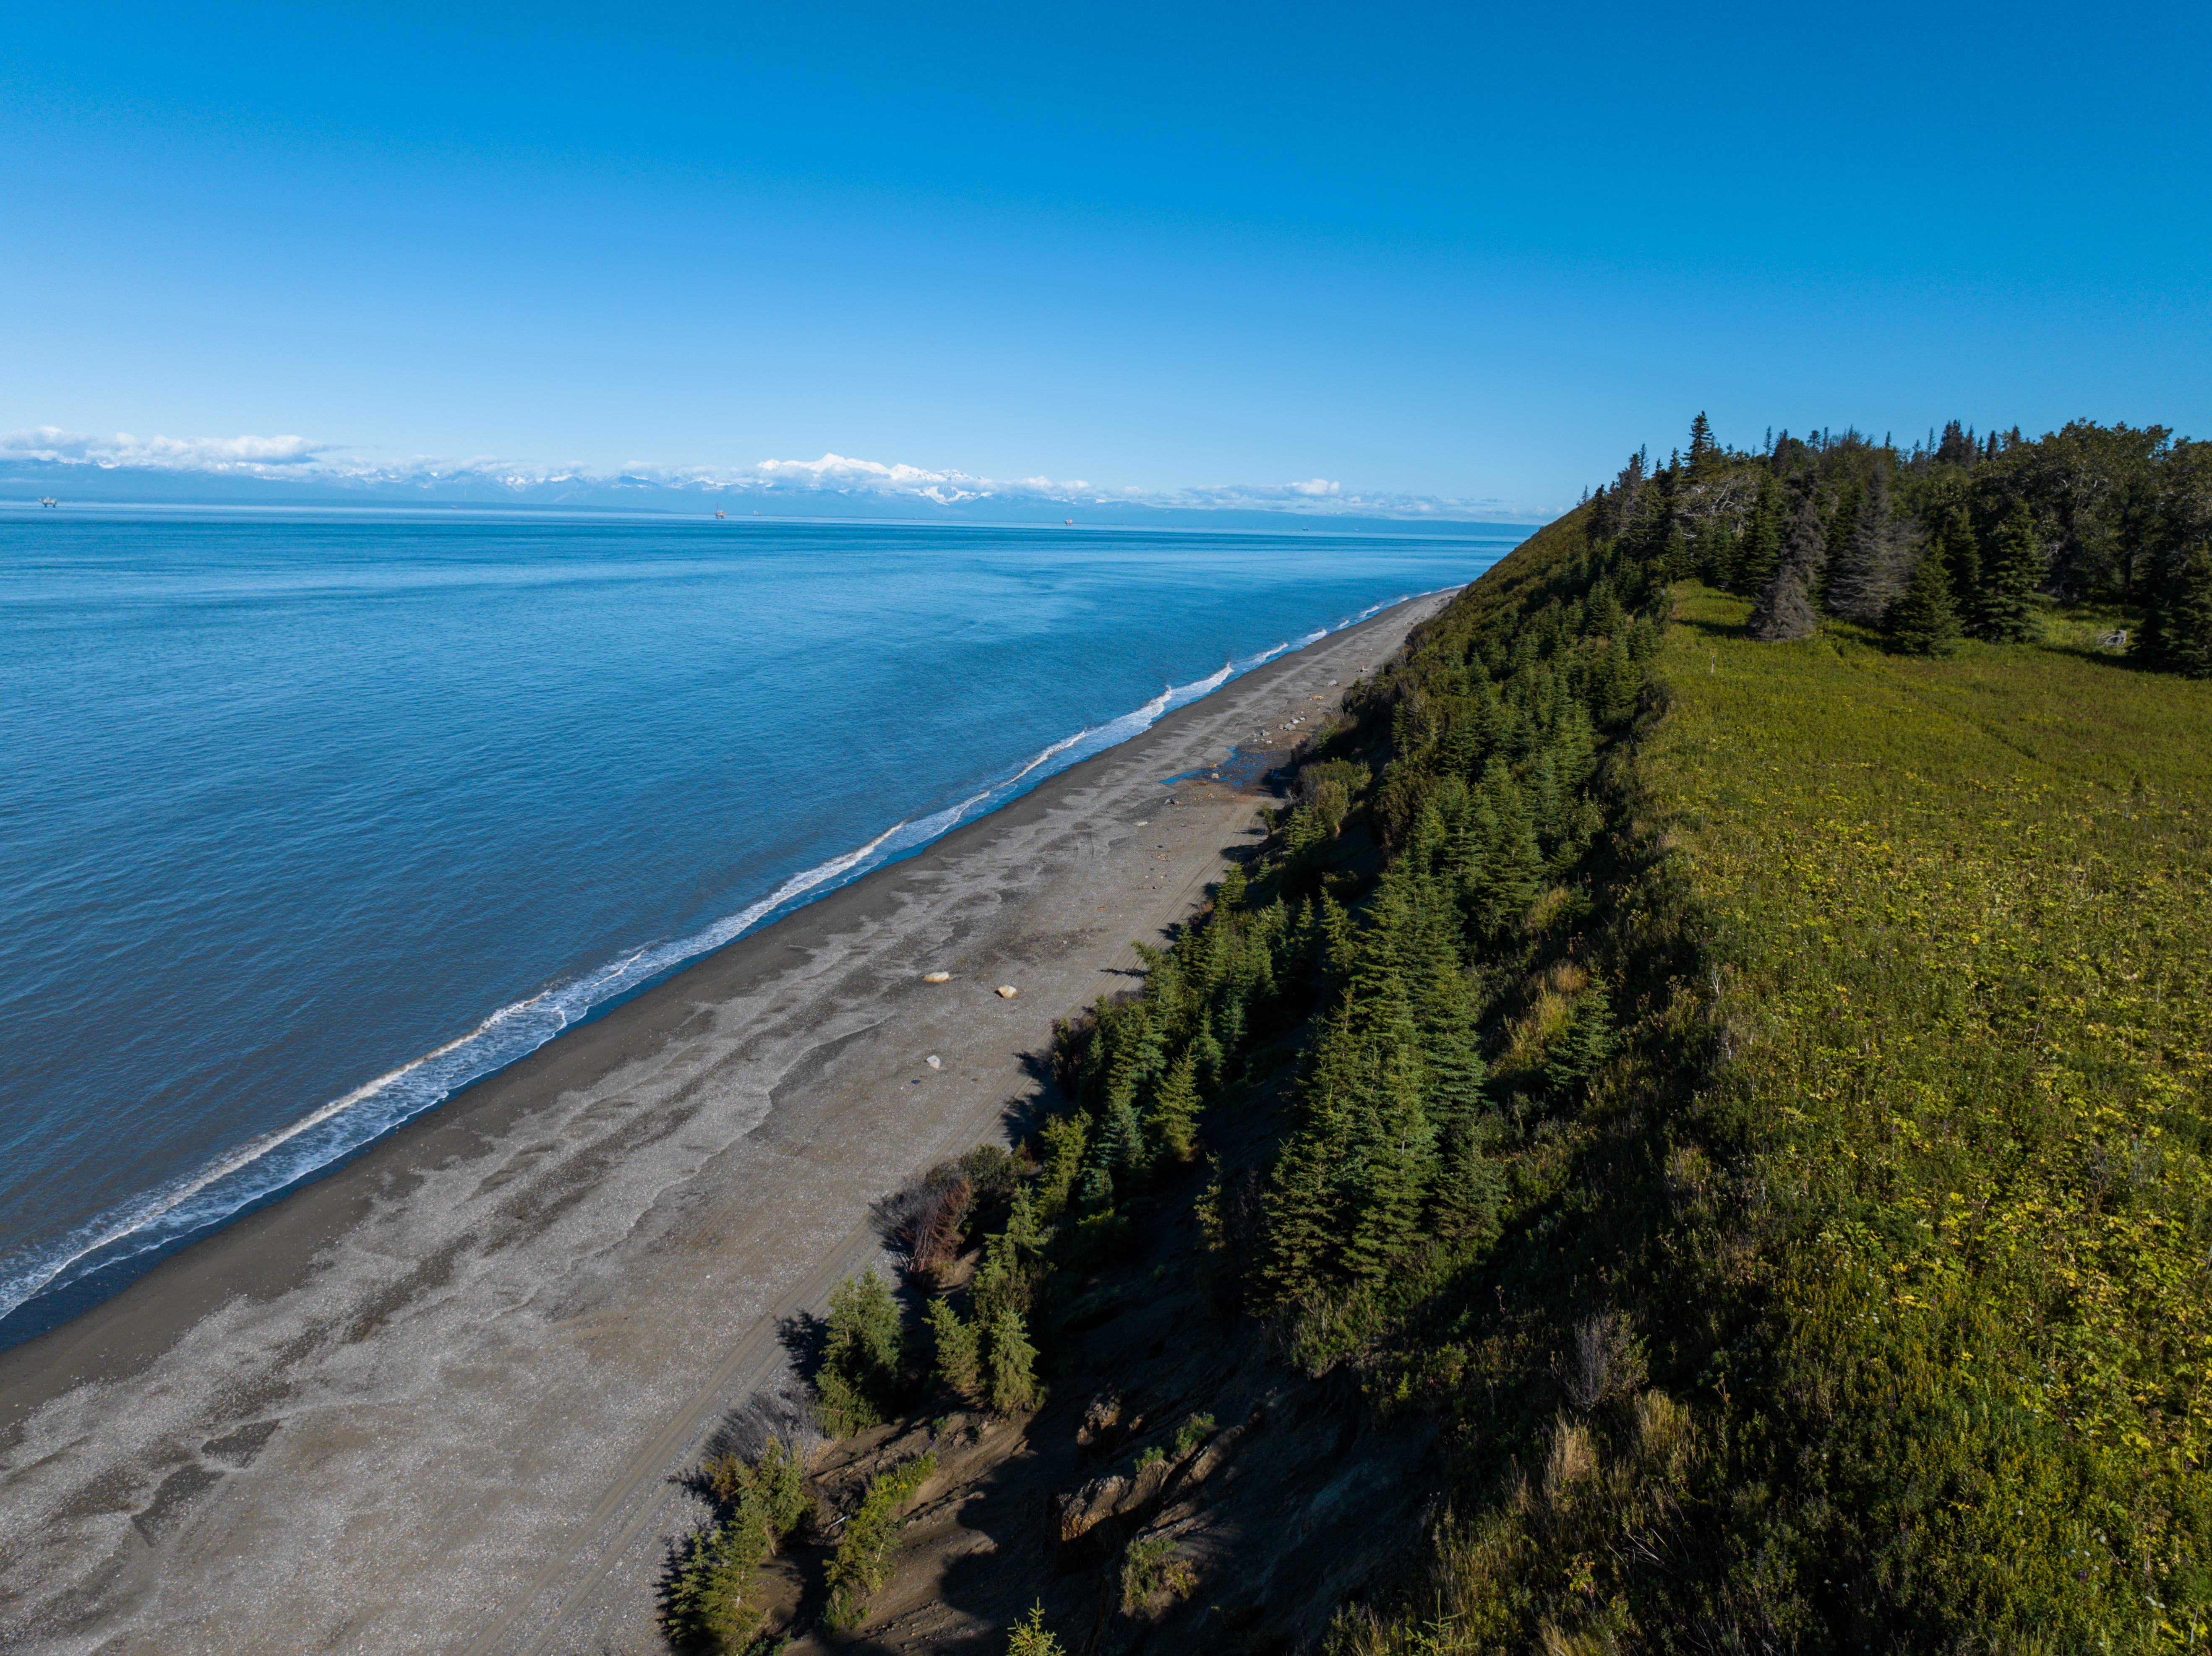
306,821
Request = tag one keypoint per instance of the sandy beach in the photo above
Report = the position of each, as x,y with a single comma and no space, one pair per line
437,1400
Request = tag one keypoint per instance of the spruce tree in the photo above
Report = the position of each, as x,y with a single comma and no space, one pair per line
1784,609
1302,1208
1603,615
1172,1124
1095,1191
1469,1189
1864,578
1387,1175
1958,446
1836,543
2177,632
1704,452
1615,682
959,1363
1512,863
1925,622
1457,1077
1761,553
1206,1050
1022,1232
1584,1045
1718,553
858,1376
2004,610
1962,556
1122,1139
1010,1363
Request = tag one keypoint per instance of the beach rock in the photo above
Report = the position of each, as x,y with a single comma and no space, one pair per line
1007,991
936,977
935,1062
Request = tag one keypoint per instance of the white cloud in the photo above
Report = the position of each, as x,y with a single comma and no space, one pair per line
245,453
304,459
45,443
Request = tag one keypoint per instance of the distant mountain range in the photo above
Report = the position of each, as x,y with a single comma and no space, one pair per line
831,487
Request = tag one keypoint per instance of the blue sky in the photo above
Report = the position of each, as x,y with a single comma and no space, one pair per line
1469,254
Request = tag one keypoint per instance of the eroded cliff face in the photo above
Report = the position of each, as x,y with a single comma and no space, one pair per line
1180,1490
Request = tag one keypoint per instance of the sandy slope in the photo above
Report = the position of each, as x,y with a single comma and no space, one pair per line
435,1401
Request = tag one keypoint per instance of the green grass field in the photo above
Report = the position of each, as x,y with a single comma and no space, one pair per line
1965,911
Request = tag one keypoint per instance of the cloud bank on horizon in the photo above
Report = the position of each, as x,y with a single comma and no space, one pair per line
295,458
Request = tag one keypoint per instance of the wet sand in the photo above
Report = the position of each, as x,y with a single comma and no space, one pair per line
437,1401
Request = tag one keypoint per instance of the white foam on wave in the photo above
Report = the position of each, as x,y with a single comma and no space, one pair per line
265,1165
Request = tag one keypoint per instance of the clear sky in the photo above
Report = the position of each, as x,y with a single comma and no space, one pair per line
1468,251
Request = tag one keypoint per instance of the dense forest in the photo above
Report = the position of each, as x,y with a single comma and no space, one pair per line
1729,1010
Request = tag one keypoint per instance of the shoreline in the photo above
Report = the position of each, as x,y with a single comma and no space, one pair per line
49,1308
457,1370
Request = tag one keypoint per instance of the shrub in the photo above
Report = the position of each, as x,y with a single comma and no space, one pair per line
931,1214
1147,1566
1192,1432
992,1171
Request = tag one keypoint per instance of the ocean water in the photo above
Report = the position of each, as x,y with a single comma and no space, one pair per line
306,821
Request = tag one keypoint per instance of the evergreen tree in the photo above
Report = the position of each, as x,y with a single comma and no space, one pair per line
1386,1177
1457,1076
1958,446
1719,553
1584,1045
1925,622
1867,575
1030,1637
1010,1364
1469,1190
1704,452
2004,610
959,1362
1962,556
1172,1124
1784,609
1512,863
1615,682
1206,1050
1835,543
2177,630
999,1281
858,1376
1121,1140
1760,553
1336,938
1022,1233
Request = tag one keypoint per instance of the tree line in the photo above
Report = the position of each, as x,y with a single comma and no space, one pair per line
1960,535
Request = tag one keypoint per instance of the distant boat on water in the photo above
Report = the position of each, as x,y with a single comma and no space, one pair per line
48,500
